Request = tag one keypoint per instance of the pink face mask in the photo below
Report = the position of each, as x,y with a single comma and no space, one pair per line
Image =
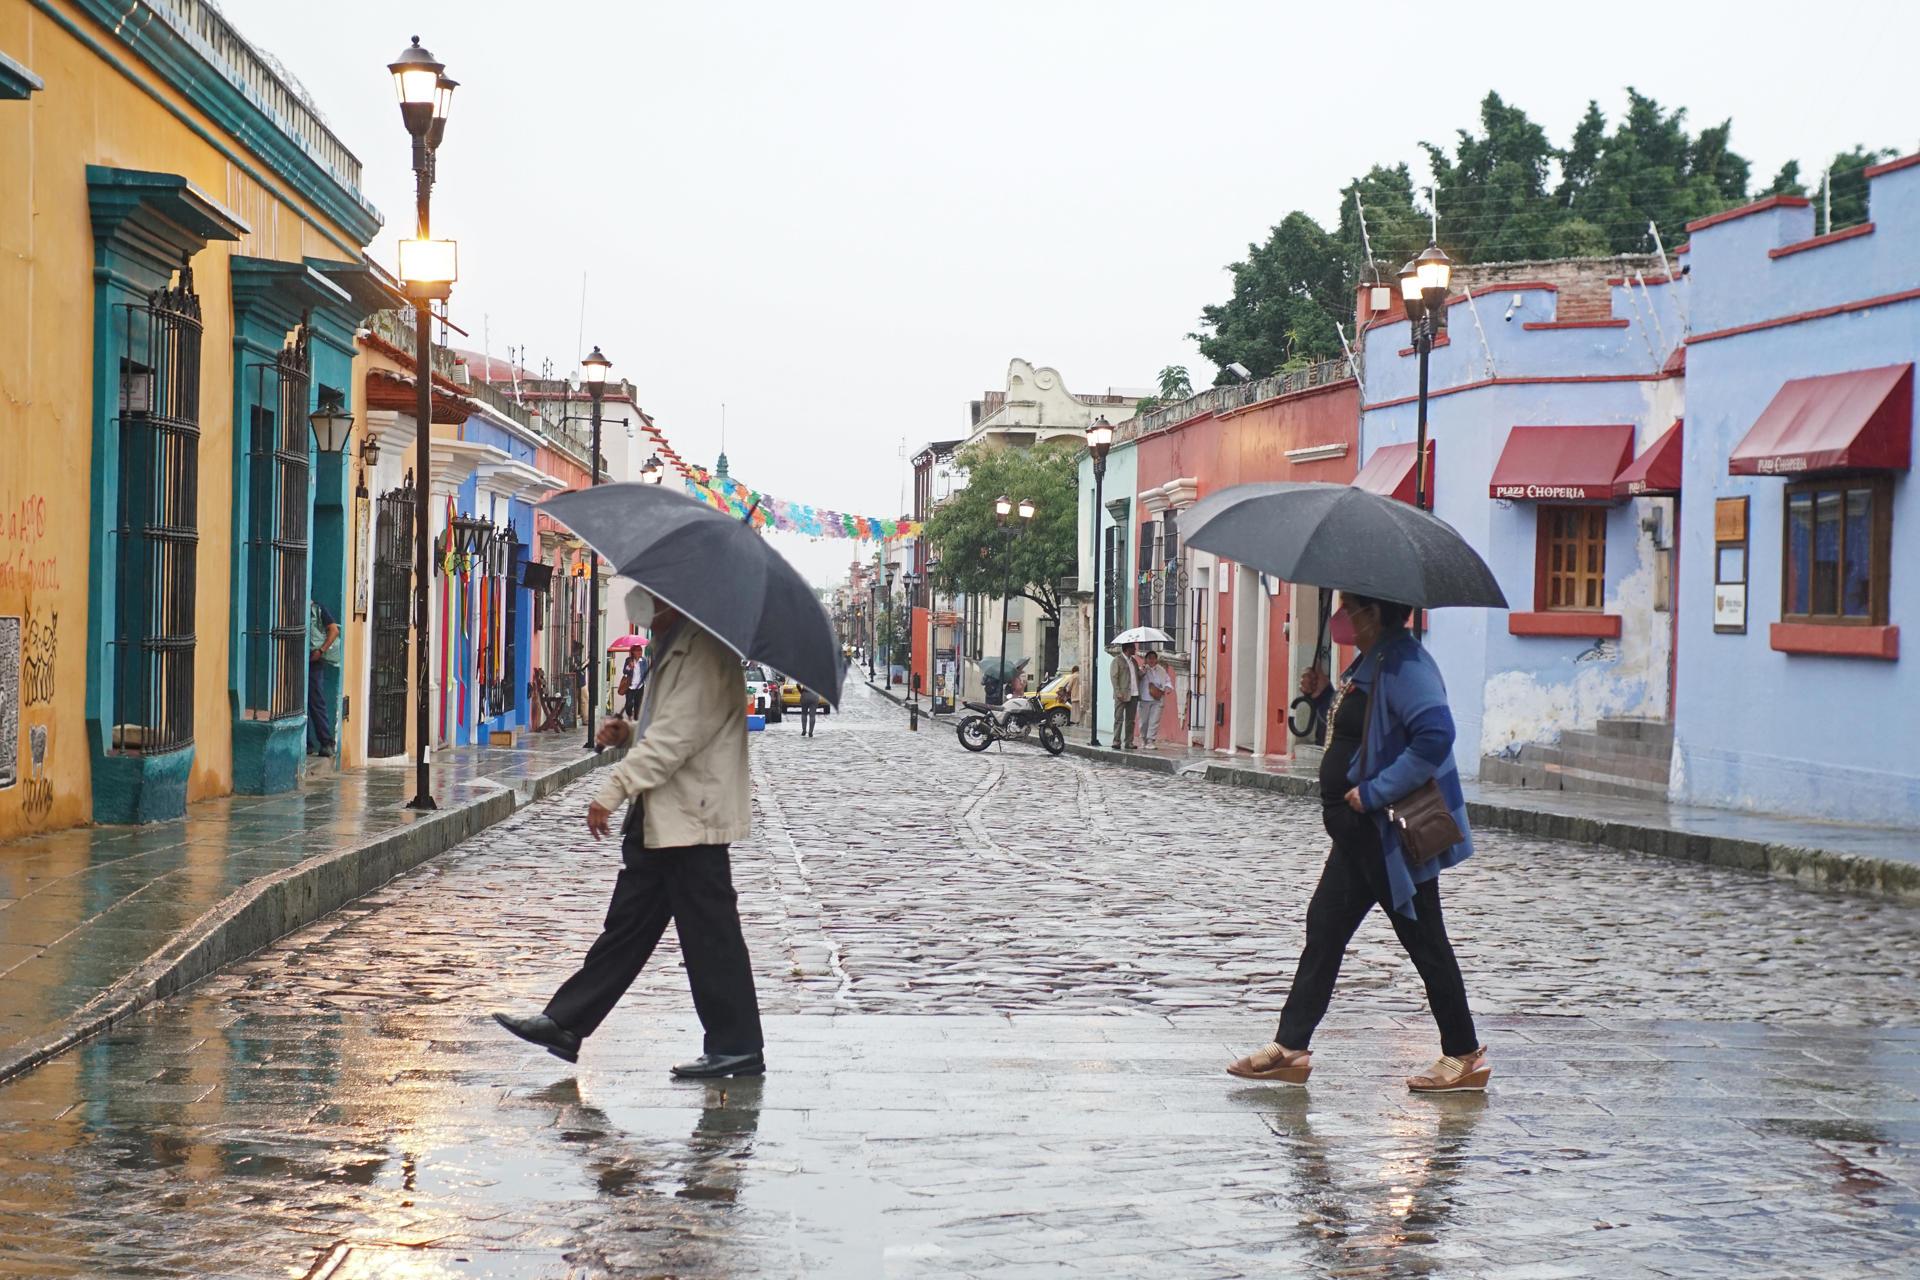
1341,628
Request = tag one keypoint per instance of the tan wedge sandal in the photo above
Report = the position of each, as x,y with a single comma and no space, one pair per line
1455,1075
1274,1065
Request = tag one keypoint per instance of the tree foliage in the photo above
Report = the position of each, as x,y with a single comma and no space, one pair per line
1504,192
977,556
1175,382
1848,177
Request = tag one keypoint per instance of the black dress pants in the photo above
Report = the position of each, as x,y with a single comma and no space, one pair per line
693,887
1353,882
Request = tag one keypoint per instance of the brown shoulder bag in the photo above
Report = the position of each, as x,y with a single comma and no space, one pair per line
1422,818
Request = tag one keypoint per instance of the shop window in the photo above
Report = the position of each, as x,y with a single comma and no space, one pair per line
1172,579
156,531
1571,559
1114,584
1836,552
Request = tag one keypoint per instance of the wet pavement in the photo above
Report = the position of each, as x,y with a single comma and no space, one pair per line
81,910
999,991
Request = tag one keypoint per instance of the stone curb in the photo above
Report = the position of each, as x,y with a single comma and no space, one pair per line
267,909
1823,868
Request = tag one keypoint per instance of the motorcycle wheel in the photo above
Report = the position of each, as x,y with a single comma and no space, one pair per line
1052,739
974,734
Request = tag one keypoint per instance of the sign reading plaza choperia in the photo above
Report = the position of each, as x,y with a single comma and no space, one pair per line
1551,492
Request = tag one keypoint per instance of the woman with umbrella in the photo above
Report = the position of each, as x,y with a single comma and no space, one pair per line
1390,793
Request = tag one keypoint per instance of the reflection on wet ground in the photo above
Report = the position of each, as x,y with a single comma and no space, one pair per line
990,1057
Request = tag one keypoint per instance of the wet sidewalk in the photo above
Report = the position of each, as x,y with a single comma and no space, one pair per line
97,921
1834,855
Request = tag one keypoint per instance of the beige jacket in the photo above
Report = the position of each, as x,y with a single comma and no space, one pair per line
691,766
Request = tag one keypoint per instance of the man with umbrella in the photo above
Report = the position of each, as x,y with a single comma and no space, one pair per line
686,779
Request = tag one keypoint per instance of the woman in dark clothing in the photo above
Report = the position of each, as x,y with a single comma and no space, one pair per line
1389,731
809,708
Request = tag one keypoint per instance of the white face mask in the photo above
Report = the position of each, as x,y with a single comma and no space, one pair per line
640,608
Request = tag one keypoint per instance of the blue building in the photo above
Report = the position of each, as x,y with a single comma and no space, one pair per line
1798,517
1553,379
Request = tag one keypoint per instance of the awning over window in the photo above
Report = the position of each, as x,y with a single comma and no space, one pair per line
1859,419
1655,472
1389,472
1562,464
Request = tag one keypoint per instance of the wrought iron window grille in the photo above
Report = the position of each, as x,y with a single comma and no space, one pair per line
277,467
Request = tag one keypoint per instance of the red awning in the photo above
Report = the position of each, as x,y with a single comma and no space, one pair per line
1566,464
1655,472
1859,419
1389,472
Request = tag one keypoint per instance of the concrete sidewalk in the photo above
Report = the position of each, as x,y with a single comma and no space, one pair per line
1877,860
97,921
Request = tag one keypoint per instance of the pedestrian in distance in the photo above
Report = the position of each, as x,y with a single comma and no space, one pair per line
1125,681
1075,695
1156,682
323,654
577,671
1390,732
638,667
685,783
809,709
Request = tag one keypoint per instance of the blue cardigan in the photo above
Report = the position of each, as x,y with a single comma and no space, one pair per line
1409,740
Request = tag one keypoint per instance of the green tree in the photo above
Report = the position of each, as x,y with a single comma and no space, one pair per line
1847,175
1175,384
1395,228
978,557
1787,181
1287,295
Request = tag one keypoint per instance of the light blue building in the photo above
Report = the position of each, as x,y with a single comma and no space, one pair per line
1799,520
1552,379
1108,558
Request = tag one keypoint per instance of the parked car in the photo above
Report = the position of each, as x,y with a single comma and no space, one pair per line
761,687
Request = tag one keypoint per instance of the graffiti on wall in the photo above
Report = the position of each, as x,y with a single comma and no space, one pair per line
38,648
27,562
9,701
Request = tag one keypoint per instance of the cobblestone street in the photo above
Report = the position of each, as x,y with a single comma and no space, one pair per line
1000,990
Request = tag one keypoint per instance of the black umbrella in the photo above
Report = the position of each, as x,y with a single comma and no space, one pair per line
1334,535
714,569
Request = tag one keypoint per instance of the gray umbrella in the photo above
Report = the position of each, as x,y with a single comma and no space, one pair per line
714,569
1334,535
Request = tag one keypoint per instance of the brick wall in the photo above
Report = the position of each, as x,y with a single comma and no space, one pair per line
1582,289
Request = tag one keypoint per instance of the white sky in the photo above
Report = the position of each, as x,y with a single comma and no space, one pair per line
842,219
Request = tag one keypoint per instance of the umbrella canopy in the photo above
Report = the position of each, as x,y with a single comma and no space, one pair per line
994,667
1142,635
714,569
1334,535
632,640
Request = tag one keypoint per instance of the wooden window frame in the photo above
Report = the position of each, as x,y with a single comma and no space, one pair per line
1542,557
1880,567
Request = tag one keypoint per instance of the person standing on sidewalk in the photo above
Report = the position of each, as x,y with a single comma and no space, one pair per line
1125,681
686,778
323,654
1390,732
1156,683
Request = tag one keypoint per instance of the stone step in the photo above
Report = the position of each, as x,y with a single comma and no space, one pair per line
1626,767
1637,728
1591,742
1542,777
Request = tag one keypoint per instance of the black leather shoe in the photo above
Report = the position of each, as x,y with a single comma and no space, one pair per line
711,1066
539,1029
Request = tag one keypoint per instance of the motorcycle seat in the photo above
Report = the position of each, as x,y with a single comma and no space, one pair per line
981,707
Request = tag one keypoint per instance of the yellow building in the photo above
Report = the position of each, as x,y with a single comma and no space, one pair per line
181,266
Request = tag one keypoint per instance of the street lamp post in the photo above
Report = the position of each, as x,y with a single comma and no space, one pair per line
910,583
1099,440
427,269
593,372
873,620
886,659
1001,509
1423,290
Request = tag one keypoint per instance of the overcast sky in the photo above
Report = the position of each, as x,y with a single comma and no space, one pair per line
842,219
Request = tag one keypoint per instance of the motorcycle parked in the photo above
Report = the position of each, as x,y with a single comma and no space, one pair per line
1019,719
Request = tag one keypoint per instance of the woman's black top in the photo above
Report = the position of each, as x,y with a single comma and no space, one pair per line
1343,740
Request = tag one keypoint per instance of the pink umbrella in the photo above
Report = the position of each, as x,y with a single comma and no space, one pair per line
632,640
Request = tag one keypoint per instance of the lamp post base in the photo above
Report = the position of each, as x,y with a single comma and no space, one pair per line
422,802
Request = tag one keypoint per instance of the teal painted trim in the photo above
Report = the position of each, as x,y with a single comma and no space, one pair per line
186,69
370,291
267,755
144,226
241,162
16,81
138,788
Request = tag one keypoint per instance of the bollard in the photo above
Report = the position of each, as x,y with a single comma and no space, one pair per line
913,716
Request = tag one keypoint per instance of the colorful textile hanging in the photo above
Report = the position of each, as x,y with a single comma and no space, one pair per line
724,493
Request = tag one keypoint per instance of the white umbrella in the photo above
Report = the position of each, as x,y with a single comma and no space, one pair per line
1142,635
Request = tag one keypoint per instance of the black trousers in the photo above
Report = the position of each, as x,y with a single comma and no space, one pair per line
692,887
1352,883
807,712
